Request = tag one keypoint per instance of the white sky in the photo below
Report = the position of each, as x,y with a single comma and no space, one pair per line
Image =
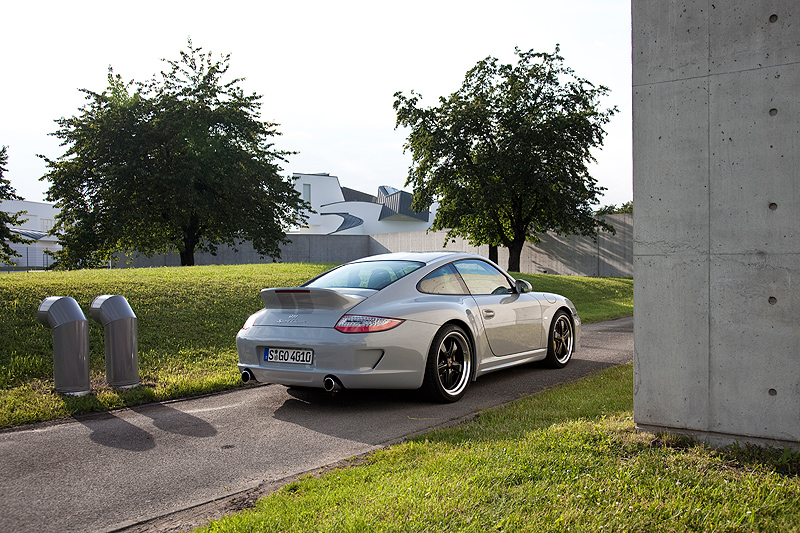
327,70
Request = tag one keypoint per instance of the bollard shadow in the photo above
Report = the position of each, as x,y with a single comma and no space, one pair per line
114,432
173,420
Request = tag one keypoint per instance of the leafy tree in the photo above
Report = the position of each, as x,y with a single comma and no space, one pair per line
182,162
506,155
7,192
612,209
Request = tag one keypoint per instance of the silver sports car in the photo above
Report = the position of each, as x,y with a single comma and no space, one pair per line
405,321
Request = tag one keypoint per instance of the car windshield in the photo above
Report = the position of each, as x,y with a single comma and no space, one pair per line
364,275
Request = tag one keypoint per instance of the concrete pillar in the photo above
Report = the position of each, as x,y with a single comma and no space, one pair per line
716,158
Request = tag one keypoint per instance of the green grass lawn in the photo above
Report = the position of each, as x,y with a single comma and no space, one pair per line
568,459
595,298
187,321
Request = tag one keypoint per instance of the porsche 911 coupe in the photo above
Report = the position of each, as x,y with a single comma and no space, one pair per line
435,321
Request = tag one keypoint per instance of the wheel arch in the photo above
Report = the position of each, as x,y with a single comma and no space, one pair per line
568,312
576,326
464,326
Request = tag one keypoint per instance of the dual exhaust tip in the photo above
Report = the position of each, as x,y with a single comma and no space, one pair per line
329,383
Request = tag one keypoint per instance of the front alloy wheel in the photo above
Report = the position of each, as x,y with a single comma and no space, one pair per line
449,366
561,341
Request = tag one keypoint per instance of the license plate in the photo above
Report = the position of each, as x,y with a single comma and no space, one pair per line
289,355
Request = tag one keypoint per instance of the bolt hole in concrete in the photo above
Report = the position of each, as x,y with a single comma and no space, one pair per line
773,18
772,300
773,206
773,392
773,112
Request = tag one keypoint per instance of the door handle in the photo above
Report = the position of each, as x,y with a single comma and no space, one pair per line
488,313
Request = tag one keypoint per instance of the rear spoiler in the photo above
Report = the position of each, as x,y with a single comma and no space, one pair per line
288,298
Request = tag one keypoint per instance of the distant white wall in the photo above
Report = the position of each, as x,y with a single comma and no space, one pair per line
321,190
40,217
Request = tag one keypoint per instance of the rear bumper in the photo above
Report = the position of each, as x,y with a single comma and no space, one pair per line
393,359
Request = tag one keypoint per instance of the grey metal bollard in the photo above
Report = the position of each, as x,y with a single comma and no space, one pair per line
70,343
122,350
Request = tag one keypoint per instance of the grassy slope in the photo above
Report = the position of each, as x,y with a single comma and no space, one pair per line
595,298
187,323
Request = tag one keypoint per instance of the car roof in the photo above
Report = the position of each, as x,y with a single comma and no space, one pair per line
422,257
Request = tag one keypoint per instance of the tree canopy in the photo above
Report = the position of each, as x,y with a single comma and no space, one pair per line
7,192
182,162
612,209
506,156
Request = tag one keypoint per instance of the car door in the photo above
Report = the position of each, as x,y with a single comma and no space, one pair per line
513,321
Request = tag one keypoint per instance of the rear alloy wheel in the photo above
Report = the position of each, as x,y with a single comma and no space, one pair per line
448,369
561,342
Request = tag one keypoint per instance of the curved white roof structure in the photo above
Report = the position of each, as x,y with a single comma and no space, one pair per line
344,211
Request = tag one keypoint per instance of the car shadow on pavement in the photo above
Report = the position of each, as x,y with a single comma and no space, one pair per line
379,416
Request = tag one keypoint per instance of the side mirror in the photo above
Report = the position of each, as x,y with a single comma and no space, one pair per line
522,286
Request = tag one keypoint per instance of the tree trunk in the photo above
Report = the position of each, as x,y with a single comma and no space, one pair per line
187,257
190,240
493,253
514,254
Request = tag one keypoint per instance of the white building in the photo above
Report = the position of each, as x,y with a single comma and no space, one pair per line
338,210
344,211
38,221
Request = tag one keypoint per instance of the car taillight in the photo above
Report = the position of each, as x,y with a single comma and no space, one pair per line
365,324
250,321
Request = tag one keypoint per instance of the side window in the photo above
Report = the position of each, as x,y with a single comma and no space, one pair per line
483,278
443,280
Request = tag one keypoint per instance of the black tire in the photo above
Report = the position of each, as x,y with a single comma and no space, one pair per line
448,369
561,342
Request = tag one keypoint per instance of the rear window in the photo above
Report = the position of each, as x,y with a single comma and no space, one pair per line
367,275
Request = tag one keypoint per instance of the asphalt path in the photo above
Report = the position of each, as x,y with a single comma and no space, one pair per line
170,466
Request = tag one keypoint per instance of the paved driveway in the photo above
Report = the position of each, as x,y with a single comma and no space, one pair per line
156,467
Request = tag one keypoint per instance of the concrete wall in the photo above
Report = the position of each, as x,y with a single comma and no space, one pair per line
611,255
302,249
716,153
